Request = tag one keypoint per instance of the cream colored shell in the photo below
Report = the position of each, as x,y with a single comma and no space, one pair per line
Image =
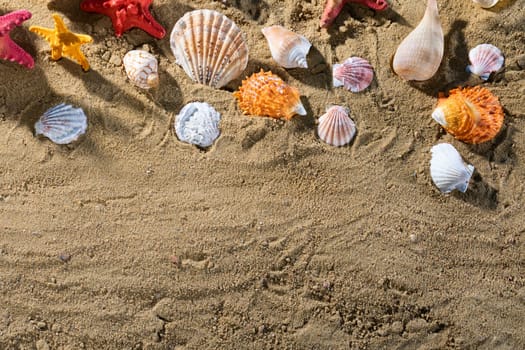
486,3
419,55
288,49
142,69
210,47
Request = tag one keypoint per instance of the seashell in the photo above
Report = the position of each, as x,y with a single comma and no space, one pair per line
419,55
62,124
486,3
142,69
355,74
471,114
335,126
447,169
485,59
210,47
198,123
288,48
266,94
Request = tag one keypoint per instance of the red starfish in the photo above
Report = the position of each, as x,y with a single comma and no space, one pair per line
334,7
8,49
126,14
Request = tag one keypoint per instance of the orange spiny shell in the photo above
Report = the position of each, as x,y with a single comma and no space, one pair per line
471,114
266,94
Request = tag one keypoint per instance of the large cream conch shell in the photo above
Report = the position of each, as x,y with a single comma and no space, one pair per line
288,48
486,3
419,55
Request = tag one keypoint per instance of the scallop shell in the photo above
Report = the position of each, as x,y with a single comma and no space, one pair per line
485,59
266,94
198,123
486,3
335,126
288,48
142,69
447,169
355,74
210,47
471,114
419,55
62,124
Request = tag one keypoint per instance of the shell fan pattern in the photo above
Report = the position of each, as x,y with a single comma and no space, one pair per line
355,74
198,123
447,169
62,124
485,59
335,126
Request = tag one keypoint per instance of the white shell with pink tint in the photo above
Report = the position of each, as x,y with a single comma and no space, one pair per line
335,126
355,74
485,59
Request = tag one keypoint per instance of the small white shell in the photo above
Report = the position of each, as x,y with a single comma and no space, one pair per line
288,48
355,74
209,47
198,123
142,69
62,124
486,3
447,169
485,59
335,126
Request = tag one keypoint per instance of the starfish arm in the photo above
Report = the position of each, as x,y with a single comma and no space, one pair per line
10,51
331,11
377,5
84,39
46,33
74,53
148,24
13,19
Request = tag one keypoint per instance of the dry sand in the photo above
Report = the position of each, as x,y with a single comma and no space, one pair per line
131,239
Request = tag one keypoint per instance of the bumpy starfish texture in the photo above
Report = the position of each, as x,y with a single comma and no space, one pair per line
334,7
126,14
63,42
8,49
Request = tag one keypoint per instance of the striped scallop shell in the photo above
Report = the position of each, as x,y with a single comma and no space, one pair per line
471,114
288,48
265,94
142,69
447,169
198,123
485,59
335,126
355,74
62,124
210,47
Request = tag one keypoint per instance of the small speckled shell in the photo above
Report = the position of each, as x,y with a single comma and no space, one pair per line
335,126
265,94
198,123
355,74
209,47
471,114
447,169
485,59
142,69
288,49
62,124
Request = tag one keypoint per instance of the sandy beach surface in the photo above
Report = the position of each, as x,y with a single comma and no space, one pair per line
270,239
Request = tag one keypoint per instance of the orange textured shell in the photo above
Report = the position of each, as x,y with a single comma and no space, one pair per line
265,94
473,114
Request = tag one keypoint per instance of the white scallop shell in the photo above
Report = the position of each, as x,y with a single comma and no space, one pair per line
62,124
335,126
198,123
447,169
288,48
485,59
142,69
355,74
486,3
210,47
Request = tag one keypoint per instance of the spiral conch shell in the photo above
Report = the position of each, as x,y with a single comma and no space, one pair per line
419,55
288,48
486,3
210,47
472,114
265,94
141,68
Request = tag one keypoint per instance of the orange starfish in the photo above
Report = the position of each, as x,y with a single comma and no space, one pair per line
63,42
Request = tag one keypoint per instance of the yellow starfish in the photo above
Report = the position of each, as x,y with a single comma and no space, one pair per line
63,42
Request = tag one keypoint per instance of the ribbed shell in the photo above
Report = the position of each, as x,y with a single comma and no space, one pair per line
355,74
486,3
335,126
288,48
485,59
142,69
471,114
62,124
210,47
447,169
265,94
198,123
419,55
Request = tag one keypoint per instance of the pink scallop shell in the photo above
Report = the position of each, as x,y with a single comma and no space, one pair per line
355,74
335,126
485,59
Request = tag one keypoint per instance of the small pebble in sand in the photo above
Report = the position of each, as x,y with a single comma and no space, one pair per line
64,257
